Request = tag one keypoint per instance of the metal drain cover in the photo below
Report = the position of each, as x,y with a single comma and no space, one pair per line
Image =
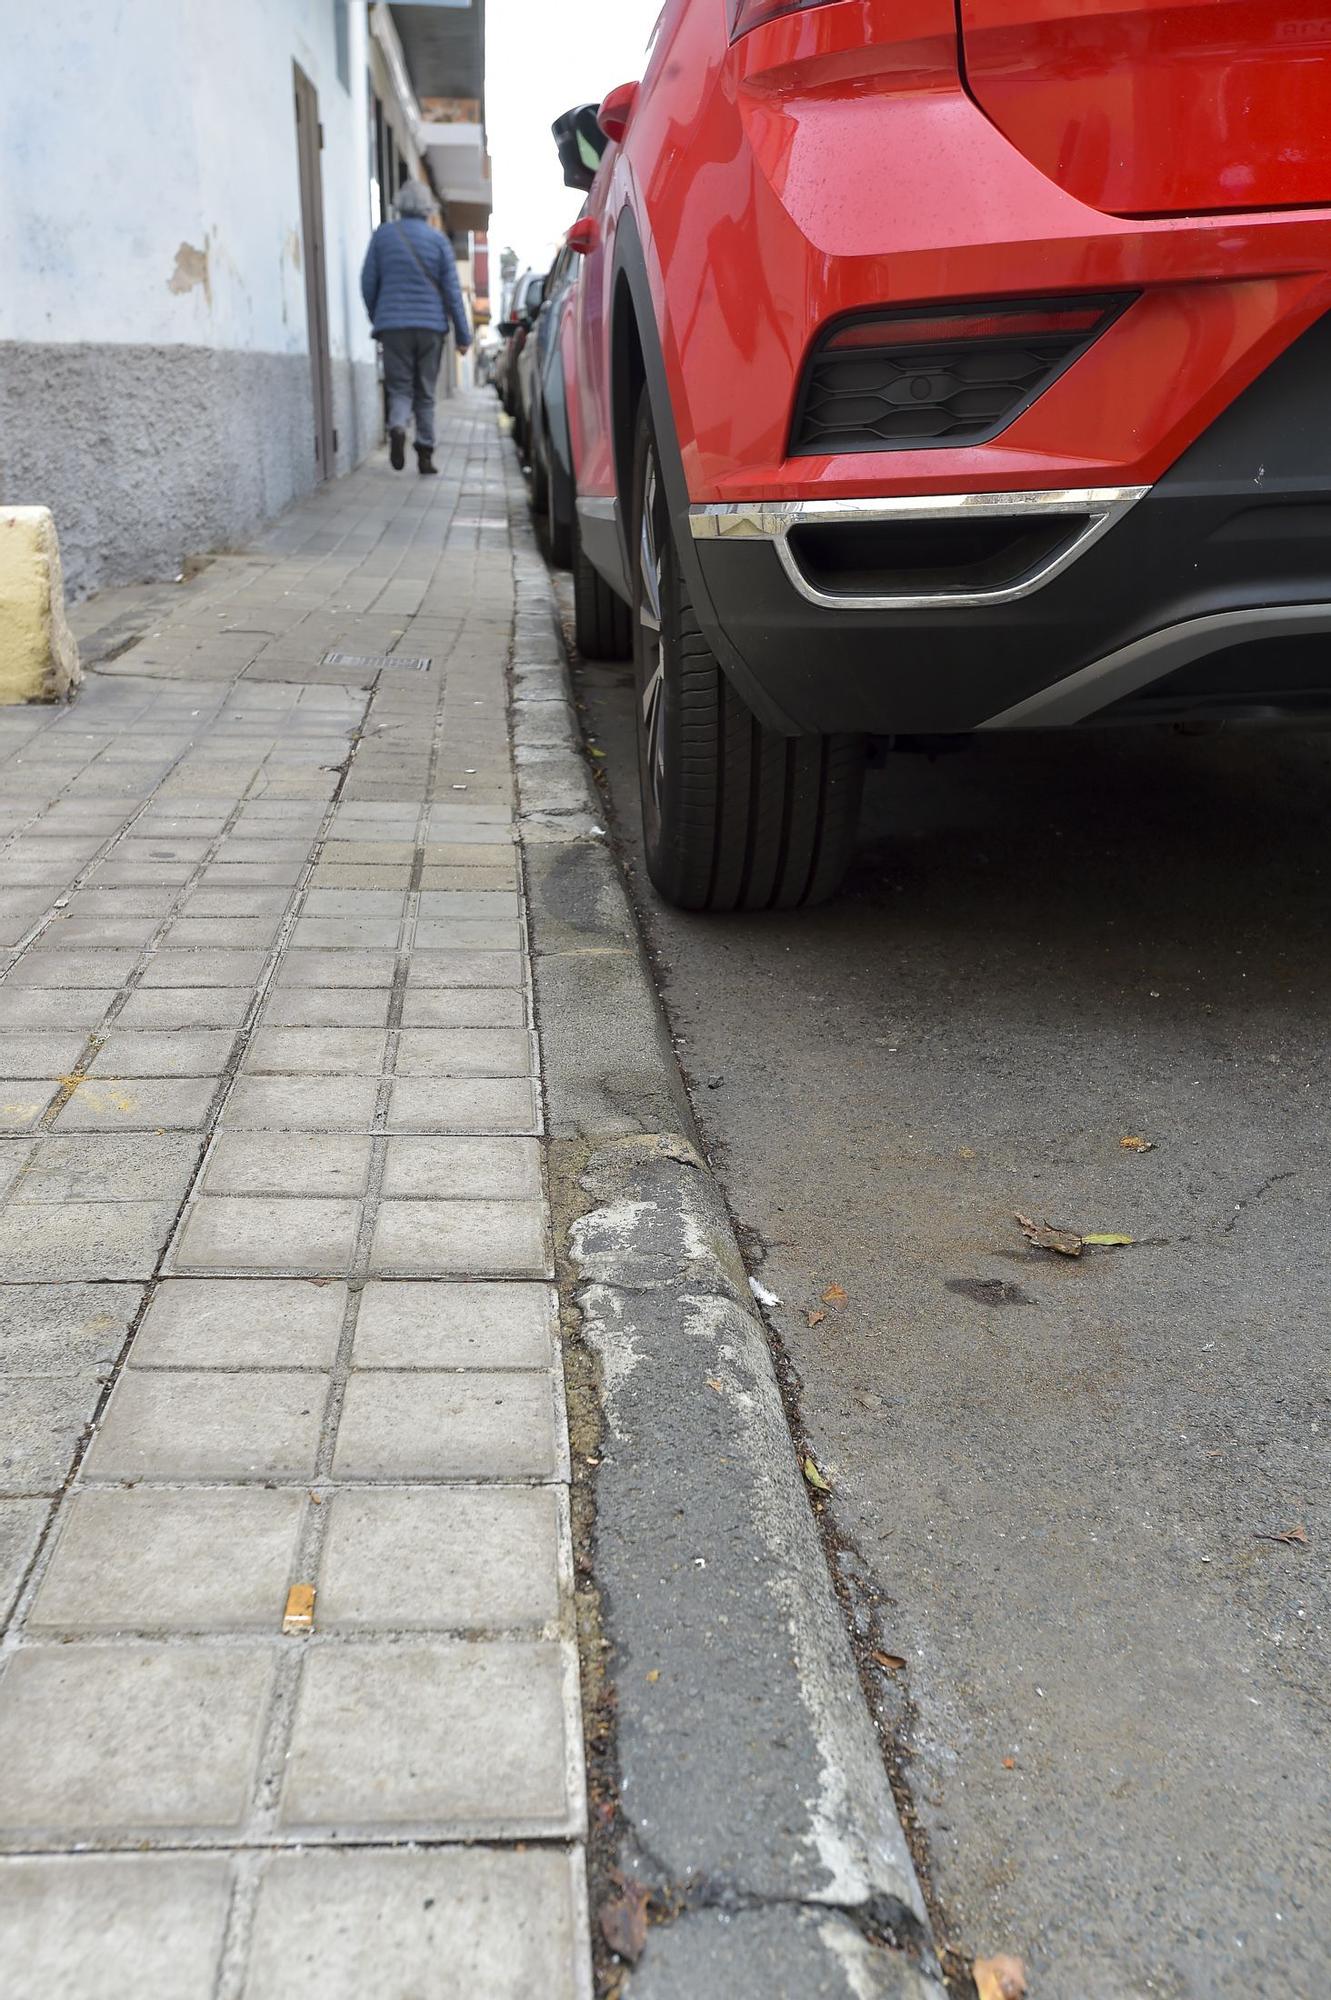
367,662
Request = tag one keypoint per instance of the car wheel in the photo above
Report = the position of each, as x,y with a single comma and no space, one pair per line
556,508
735,816
600,619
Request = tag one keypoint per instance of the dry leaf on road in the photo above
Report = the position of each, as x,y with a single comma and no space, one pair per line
1001,1978
835,1295
624,1920
815,1318
1295,1534
1134,1143
1108,1240
1044,1237
892,1661
815,1477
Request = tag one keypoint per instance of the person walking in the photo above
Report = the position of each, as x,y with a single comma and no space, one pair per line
409,282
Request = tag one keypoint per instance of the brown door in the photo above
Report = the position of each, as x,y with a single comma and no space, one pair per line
309,142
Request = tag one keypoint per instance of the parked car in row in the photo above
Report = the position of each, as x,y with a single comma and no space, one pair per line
916,387
513,332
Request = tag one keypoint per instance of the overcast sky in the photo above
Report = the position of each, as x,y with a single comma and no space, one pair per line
541,58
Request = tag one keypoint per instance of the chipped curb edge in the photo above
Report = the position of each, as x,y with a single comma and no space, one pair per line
748,1790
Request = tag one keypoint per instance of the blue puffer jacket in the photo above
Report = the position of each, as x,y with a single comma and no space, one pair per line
397,292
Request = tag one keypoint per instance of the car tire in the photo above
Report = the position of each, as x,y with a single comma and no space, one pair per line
601,623
555,509
735,816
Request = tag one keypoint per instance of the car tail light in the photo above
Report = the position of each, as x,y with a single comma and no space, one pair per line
943,375
752,13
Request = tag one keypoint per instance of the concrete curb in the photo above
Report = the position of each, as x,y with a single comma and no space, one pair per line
752,1797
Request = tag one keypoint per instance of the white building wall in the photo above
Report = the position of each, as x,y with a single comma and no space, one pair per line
153,332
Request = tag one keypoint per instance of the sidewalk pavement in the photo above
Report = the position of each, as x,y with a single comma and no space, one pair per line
276,1306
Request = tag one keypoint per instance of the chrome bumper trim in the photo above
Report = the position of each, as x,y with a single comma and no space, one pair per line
772,521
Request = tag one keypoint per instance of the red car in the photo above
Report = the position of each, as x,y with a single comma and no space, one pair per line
947,365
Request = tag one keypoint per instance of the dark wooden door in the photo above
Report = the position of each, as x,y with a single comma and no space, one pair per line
309,143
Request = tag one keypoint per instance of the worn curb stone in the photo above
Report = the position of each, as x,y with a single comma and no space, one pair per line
752,1788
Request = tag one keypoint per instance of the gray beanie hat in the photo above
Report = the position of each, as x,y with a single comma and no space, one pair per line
414,198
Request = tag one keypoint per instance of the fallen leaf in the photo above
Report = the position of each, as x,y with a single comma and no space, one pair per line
835,1295
299,1613
1043,1237
965,1152
1009,1763
714,1382
1296,1534
1108,1241
1134,1144
815,1477
815,1318
1001,1978
597,753
655,1674
624,1921
892,1661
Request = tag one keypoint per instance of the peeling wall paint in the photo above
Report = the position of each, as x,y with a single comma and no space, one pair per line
191,270
177,217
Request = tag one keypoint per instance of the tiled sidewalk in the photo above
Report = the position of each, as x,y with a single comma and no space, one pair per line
275,1306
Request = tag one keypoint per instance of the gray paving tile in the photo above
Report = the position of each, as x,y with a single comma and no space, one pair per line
243,1233
358,903
21,1523
483,1052
468,934
129,1053
96,930
346,933
23,1100
335,968
28,1055
215,1560
317,1052
235,899
209,1426
137,1104
37,1007
465,968
433,1737
122,1742
427,1426
407,1324
308,1163
240,1323
13,1153
302,1103
105,1166
466,1168
113,1927
59,1328
177,966
327,1007
489,1238
223,933
478,1921
439,1558
83,1239
463,1007
60,970
435,1104
168,1007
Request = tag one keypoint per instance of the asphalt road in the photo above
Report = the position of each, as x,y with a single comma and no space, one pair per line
1114,1717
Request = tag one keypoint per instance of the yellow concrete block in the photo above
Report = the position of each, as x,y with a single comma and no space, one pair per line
39,660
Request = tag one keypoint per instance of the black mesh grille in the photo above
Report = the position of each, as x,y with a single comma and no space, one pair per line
939,393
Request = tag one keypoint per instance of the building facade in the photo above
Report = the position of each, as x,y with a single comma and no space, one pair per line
188,192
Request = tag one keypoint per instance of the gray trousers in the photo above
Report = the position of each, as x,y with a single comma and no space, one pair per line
411,372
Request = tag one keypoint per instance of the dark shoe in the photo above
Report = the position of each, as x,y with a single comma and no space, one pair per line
425,460
397,449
